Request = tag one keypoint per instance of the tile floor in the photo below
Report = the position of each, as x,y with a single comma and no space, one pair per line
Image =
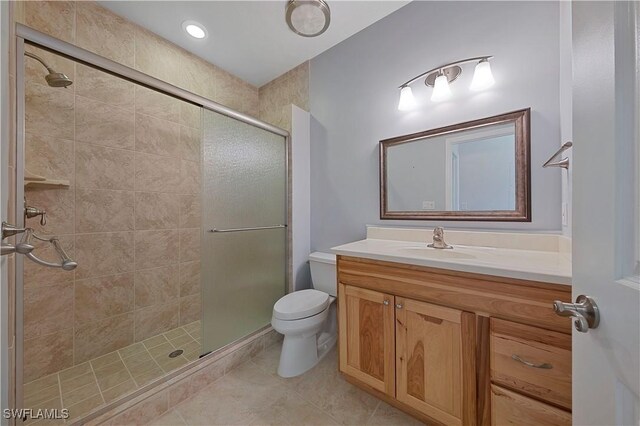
86,386
253,394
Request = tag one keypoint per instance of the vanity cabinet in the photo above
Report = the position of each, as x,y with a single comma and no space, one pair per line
367,337
455,348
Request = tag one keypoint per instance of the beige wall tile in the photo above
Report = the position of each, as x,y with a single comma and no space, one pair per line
189,177
103,297
100,86
156,136
99,210
190,138
104,254
189,244
157,210
49,111
47,354
103,336
157,286
190,309
156,104
36,275
103,124
58,203
47,309
156,248
190,115
190,278
190,211
98,167
105,33
156,319
56,18
155,173
156,57
49,157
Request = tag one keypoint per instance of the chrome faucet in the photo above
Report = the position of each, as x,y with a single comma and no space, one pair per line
438,239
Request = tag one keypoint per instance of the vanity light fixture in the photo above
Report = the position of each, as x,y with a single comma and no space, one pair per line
407,101
194,29
441,77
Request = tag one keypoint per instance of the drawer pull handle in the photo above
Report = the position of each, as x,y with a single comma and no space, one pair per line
544,366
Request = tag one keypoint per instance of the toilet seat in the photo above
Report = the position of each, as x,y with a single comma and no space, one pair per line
300,304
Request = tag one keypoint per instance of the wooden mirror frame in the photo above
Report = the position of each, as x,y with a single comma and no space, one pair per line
522,212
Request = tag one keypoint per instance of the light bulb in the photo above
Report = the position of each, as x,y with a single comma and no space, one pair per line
407,101
441,89
482,76
194,29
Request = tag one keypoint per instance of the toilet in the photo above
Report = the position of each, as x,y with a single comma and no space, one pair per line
307,318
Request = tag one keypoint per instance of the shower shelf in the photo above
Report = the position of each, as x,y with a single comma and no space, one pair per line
34,181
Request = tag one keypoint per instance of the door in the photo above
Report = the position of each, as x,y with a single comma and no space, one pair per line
244,241
435,361
606,372
367,341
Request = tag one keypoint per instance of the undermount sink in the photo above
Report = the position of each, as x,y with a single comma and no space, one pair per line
430,252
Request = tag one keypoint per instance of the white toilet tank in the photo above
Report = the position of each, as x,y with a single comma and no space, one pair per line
323,272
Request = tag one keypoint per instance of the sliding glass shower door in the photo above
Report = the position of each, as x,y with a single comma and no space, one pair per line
244,228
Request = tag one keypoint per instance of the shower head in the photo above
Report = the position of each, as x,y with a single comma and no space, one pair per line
57,79
54,79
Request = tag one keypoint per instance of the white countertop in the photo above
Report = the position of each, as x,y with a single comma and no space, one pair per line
544,264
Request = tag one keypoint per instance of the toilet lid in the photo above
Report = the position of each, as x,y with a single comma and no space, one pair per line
300,304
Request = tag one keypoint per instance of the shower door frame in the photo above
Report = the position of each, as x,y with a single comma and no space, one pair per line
26,35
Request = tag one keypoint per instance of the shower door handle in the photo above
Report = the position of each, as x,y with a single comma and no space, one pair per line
255,228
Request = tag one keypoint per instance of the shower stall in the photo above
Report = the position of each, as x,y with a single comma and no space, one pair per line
158,220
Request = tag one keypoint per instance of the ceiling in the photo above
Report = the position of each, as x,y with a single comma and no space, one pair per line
250,38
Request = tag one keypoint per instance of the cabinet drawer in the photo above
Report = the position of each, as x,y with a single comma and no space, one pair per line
511,408
531,360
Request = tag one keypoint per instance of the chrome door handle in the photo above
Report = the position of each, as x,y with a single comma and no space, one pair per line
385,303
399,306
585,312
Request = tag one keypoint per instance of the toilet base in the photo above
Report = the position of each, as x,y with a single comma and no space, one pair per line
301,353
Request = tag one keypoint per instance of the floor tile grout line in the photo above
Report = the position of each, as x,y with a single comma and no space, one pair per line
373,413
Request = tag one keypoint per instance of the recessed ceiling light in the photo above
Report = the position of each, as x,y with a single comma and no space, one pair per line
194,29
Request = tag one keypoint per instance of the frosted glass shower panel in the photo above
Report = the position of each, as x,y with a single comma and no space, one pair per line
244,239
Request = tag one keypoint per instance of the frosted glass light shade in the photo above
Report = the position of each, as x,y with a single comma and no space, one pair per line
482,76
441,89
407,101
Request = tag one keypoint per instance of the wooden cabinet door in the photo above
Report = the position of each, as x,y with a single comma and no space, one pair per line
367,341
435,361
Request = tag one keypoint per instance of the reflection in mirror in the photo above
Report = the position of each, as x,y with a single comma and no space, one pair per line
473,171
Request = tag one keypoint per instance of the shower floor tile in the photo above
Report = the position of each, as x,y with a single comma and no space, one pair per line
108,377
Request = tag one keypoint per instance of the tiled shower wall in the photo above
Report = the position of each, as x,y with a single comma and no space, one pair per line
276,97
131,215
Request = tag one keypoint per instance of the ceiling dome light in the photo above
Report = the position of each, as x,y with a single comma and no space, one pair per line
482,76
407,101
308,18
441,89
194,29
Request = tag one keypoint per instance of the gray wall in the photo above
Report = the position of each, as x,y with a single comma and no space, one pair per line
354,97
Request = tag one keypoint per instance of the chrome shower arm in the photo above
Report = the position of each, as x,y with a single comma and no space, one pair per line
39,59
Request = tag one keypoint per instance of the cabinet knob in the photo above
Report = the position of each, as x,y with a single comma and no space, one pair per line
385,303
398,305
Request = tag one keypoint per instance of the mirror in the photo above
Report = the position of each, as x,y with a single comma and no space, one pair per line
478,170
